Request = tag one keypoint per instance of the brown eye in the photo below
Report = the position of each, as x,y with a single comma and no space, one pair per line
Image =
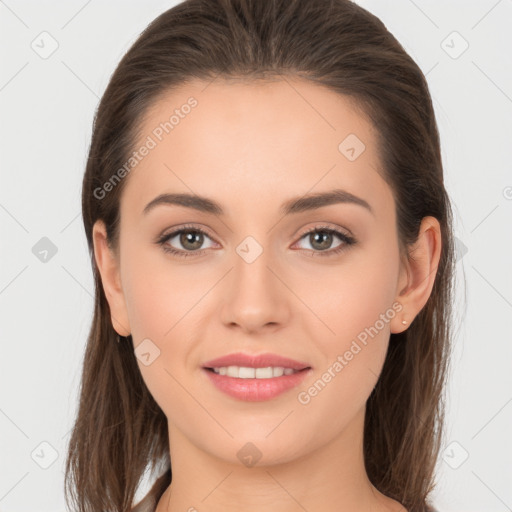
321,239
191,239
187,241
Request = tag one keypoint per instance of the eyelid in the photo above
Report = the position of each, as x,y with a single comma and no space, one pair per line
172,232
343,234
328,227
184,227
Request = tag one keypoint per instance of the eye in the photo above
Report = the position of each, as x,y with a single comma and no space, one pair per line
189,237
321,238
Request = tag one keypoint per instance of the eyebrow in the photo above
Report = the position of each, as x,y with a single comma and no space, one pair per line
291,206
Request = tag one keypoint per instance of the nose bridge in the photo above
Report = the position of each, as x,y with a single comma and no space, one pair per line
255,296
251,266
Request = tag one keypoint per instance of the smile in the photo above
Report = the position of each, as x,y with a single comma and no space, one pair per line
255,384
244,372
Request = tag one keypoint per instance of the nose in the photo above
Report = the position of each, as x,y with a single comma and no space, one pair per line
255,297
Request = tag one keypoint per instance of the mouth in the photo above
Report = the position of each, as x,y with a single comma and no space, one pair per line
246,372
255,378
245,363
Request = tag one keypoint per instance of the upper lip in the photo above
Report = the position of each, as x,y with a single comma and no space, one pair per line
255,361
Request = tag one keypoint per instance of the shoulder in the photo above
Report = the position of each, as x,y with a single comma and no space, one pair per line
147,504
150,501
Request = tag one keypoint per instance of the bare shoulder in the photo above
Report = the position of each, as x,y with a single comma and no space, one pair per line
394,506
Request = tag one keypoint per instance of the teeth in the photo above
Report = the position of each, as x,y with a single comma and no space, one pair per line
243,372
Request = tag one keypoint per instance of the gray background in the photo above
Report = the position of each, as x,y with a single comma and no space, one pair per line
47,105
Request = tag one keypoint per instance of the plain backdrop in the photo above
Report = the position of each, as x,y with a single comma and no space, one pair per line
47,103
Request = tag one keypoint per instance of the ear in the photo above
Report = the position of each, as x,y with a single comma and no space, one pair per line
418,273
108,266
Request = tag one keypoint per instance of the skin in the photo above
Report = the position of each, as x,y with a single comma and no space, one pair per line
250,147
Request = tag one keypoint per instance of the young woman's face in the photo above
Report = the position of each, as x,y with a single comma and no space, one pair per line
251,279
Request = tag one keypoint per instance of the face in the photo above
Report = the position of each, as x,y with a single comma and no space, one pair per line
316,282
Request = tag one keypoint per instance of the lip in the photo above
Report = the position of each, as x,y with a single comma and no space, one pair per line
256,361
255,390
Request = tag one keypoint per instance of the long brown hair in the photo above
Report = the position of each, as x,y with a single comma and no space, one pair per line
120,431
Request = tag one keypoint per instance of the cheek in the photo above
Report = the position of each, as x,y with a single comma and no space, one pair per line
352,295
158,291
157,301
161,299
354,300
357,308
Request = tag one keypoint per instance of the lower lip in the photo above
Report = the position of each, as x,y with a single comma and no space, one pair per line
256,390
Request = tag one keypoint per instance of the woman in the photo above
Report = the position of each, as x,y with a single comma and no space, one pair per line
272,248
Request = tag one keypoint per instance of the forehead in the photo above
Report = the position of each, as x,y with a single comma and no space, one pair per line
242,141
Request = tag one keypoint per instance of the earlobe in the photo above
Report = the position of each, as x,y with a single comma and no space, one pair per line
418,273
108,267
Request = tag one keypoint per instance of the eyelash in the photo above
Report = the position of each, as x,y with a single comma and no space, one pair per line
347,241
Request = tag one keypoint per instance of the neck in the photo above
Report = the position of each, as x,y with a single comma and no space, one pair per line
331,478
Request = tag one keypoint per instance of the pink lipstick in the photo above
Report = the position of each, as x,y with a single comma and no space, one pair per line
255,377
